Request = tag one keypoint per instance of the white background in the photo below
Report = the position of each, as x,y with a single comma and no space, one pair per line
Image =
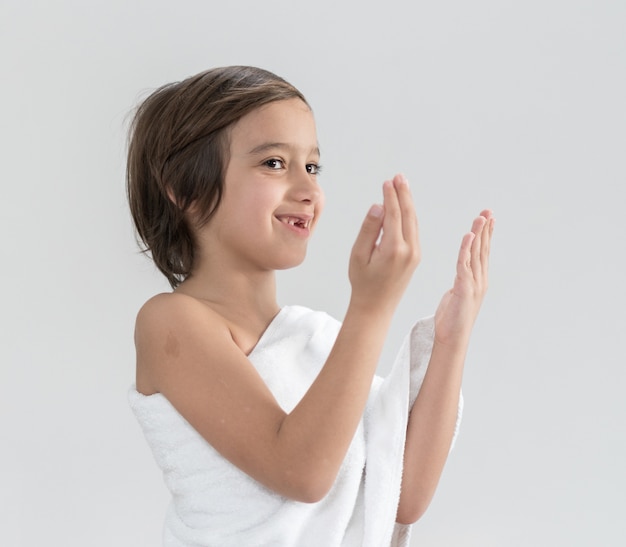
516,106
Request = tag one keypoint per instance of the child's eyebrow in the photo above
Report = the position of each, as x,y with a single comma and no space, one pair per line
264,147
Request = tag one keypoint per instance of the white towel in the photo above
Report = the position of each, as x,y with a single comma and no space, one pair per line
214,504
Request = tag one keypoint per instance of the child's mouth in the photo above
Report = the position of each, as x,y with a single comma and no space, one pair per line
298,222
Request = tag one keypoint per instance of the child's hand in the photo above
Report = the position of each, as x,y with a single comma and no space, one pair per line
459,307
379,272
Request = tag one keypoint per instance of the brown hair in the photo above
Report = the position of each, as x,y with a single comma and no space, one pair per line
178,153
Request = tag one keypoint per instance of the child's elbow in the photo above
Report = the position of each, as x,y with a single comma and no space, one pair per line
410,513
310,488
311,495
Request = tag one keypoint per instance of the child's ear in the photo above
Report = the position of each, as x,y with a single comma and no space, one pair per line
191,209
171,196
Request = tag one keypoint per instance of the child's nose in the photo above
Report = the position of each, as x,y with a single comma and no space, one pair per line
304,187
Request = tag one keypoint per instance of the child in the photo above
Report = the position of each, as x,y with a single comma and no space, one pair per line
269,423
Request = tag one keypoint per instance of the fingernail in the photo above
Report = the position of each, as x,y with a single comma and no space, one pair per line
376,211
403,179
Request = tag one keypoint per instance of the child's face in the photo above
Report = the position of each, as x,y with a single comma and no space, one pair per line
271,200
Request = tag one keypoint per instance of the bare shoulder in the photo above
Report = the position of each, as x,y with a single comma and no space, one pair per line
161,308
168,325
186,352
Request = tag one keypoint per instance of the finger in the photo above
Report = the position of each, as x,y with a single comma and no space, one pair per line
410,229
368,234
486,243
477,229
464,261
486,247
392,221
488,214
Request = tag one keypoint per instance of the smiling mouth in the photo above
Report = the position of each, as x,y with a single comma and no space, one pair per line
295,221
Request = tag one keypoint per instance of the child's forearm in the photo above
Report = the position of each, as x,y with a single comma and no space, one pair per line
319,430
430,431
433,416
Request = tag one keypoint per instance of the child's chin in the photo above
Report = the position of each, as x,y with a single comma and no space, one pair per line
291,262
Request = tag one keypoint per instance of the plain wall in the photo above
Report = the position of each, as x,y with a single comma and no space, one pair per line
516,106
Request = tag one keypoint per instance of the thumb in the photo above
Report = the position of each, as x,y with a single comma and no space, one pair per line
370,230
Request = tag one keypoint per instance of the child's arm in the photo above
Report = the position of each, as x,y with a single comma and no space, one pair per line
186,352
433,416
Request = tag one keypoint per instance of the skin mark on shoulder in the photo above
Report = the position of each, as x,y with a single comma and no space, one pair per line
172,345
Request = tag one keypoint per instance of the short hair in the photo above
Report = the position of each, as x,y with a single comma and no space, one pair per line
178,151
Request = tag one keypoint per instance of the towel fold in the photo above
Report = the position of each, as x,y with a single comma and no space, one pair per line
216,504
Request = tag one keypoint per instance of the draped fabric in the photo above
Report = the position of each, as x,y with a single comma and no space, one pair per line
215,504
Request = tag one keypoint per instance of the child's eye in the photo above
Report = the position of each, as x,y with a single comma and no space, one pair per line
274,163
313,168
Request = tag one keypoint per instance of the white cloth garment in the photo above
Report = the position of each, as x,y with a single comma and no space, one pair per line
214,504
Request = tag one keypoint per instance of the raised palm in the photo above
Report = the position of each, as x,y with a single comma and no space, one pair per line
460,305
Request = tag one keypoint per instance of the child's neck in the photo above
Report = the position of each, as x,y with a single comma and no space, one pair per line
237,295
246,303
